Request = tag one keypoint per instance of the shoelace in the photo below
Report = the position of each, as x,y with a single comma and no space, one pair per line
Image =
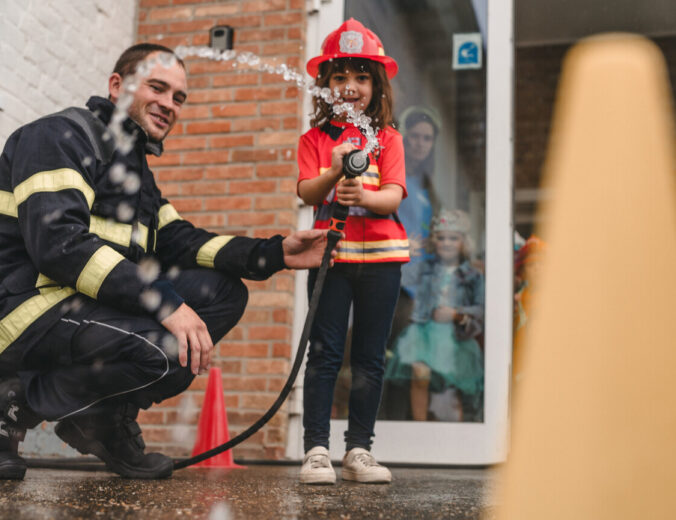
319,461
366,459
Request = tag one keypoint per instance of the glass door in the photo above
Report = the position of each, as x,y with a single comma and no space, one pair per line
445,398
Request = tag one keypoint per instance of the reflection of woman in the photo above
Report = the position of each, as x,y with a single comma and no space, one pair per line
439,349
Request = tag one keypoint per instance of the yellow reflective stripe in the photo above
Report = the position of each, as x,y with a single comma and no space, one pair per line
17,321
44,280
375,244
54,180
98,267
207,253
366,256
168,214
7,204
118,233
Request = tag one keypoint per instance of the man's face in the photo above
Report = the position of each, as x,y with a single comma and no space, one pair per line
158,99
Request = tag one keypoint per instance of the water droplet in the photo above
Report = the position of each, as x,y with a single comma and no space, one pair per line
132,184
150,299
124,212
148,270
86,161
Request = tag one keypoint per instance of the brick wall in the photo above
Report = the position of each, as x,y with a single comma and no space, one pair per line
56,54
230,166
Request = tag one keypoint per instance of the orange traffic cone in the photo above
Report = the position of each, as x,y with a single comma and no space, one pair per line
212,429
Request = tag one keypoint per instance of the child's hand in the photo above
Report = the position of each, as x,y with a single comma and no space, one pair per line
444,314
337,155
350,192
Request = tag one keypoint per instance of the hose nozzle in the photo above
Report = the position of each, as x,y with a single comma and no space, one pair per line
355,163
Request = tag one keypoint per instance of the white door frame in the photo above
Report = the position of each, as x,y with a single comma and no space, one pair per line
444,442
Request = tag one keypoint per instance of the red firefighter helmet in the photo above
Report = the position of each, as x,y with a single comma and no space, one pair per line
352,40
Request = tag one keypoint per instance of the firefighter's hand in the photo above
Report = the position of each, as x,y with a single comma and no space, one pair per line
191,332
350,192
305,249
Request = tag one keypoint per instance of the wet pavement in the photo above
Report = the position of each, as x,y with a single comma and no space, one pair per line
259,491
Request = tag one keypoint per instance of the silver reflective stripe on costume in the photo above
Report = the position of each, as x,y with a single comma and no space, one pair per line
167,215
119,233
17,321
51,181
7,204
101,263
207,253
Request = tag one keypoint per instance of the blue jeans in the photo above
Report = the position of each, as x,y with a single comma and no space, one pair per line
373,290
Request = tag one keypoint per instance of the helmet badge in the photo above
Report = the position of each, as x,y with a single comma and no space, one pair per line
351,42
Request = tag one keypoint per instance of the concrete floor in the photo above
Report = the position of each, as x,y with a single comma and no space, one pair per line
259,491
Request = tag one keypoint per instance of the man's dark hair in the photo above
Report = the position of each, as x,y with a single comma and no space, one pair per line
129,59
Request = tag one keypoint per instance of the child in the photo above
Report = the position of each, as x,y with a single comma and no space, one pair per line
439,350
367,271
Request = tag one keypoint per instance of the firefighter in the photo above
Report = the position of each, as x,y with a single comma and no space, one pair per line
109,300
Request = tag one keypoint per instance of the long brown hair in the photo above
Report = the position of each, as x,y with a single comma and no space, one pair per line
380,108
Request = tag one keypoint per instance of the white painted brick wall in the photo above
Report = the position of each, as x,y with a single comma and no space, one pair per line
57,53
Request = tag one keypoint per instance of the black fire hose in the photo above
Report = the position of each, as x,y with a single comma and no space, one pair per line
354,164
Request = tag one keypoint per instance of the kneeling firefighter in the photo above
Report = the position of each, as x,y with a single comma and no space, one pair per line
109,300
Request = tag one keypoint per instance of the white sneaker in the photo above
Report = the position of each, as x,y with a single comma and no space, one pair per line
317,467
359,465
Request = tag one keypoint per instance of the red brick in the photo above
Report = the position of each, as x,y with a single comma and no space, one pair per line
251,219
157,434
191,26
279,108
151,417
170,41
208,127
273,453
260,35
170,13
263,5
232,141
277,138
170,189
254,156
259,94
282,350
267,232
208,221
200,39
276,170
296,4
275,202
240,187
291,123
204,157
211,96
179,174
217,10
294,33
188,205
244,383
208,67
229,172
185,143
176,2
235,78
204,188
283,18
232,401
287,218
280,49
249,20
153,3
253,350
167,159
291,92
257,401
258,123
199,82
284,281
274,436
270,299
287,185
235,109
269,332
254,315
235,417
227,203
235,332
146,28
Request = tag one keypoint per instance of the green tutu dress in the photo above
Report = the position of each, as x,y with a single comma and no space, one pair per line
453,362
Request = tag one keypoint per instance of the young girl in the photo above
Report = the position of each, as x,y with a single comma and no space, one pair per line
367,271
439,350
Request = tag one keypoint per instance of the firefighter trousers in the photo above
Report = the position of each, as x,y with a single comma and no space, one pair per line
97,358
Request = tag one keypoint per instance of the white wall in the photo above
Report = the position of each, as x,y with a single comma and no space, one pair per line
57,53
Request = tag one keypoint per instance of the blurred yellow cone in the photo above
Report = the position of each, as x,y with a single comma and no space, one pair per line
594,431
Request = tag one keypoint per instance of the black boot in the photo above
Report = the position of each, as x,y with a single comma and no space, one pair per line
116,440
15,418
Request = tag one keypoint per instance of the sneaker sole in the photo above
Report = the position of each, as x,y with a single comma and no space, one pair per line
364,479
326,481
74,437
13,469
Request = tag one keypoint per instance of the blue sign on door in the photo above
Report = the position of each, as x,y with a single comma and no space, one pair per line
467,50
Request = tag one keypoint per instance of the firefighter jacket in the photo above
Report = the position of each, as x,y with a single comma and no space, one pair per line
73,222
